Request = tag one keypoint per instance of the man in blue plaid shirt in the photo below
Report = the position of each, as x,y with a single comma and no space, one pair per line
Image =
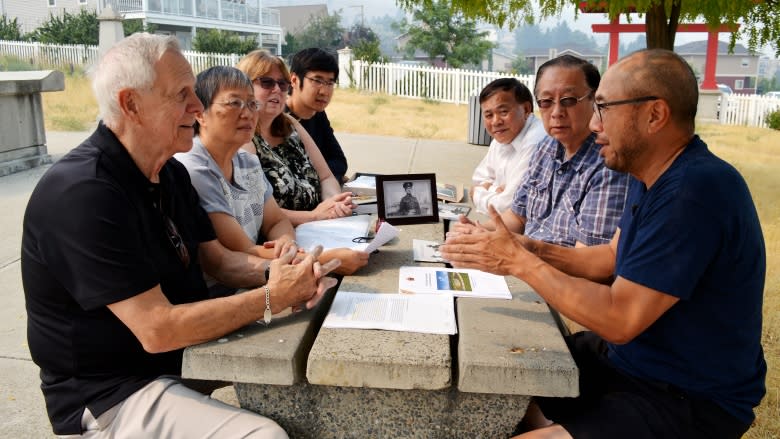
568,197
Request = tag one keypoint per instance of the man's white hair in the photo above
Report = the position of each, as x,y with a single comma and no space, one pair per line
128,64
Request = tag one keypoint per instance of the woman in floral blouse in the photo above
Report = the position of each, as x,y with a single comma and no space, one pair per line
303,185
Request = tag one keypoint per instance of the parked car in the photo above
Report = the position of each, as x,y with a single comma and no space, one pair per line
725,89
773,94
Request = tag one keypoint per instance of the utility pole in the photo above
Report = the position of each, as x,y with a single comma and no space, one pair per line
362,17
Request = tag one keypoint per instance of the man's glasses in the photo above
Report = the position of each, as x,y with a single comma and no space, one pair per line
598,106
238,104
268,83
176,241
321,82
566,101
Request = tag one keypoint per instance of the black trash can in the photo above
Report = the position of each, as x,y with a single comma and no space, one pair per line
477,133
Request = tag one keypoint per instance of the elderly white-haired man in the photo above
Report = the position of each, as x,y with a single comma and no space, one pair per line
113,253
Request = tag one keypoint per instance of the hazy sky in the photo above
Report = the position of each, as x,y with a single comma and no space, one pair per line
350,11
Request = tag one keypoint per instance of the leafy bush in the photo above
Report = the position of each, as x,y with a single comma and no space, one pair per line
137,25
81,28
773,119
219,41
9,29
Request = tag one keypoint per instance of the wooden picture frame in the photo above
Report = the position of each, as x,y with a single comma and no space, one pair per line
407,198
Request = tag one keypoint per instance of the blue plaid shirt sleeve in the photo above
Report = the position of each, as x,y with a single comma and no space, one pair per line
601,207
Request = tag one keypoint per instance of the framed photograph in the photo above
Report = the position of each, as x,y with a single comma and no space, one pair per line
407,198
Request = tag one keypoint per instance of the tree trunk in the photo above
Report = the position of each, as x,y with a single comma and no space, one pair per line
660,29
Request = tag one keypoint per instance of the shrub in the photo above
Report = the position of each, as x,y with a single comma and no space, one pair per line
9,29
773,119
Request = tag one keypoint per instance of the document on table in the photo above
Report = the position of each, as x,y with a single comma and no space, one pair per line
426,251
385,233
430,314
341,233
460,282
363,185
333,233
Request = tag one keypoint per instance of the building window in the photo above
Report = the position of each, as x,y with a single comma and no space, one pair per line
52,3
739,84
745,62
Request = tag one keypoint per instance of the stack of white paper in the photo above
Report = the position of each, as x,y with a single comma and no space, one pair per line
341,233
431,314
333,233
363,185
458,281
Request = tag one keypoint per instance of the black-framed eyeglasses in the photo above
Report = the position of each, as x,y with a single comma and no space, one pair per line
238,104
176,241
566,101
268,83
598,106
322,82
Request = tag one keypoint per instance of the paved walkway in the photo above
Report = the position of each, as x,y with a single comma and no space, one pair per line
21,401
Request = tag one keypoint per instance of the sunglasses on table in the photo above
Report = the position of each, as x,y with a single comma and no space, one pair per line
268,83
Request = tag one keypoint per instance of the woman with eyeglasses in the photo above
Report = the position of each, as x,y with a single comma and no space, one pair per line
303,185
230,182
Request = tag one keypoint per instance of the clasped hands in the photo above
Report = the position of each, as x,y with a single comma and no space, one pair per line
298,280
335,206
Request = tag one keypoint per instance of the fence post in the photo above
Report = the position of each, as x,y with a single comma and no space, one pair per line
345,66
111,31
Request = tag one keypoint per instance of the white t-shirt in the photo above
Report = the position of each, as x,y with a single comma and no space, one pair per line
505,165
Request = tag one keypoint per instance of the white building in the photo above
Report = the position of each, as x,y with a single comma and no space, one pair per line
172,17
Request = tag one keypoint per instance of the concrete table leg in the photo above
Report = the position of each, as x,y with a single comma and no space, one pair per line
314,411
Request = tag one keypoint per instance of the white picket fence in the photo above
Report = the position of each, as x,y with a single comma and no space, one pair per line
405,80
54,55
744,109
424,82
68,56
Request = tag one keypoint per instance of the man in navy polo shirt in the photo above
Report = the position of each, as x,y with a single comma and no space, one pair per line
675,350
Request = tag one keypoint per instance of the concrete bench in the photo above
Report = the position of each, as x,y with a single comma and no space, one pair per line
22,134
366,383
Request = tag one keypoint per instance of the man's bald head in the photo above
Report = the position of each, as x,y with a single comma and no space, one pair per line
665,74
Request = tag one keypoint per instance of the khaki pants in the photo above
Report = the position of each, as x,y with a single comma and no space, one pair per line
165,408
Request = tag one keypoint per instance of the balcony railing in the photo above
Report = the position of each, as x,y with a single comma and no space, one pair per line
235,11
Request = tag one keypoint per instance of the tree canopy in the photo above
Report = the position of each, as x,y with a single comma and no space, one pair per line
365,44
323,31
759,20
438,31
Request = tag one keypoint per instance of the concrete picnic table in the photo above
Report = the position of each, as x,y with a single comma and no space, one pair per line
351,383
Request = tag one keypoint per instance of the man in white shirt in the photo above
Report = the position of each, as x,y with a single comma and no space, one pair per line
507,110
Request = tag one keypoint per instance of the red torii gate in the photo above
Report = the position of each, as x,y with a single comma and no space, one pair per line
614,28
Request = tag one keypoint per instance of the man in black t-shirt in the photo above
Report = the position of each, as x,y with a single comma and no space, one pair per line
314,74
114,248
